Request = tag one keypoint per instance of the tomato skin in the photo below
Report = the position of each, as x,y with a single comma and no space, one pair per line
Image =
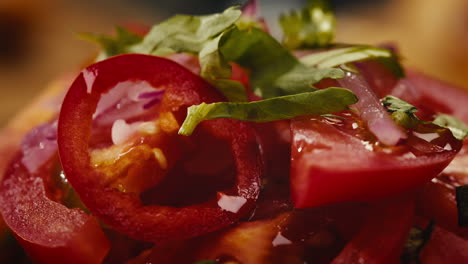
382,237
331,164
123,211
46,229
444,247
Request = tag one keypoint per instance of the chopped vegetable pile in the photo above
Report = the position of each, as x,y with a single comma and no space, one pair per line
207,140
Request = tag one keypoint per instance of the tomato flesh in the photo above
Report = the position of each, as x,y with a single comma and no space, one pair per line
337,159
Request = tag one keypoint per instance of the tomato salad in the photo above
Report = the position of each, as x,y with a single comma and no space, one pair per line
206,140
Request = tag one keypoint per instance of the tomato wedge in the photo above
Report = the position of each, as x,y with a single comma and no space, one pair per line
383,235
126,212
444,247
343,159
337,159
32,209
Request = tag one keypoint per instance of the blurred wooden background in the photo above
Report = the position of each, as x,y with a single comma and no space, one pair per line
38,42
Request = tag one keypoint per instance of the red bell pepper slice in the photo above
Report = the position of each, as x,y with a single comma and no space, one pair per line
125,212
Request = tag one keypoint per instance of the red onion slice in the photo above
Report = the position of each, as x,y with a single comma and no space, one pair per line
39,146
250,9
372,111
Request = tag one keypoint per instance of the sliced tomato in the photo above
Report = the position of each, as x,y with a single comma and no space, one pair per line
31,206
124,211
444,247
436,201
341,159
433,96
383,235
337,159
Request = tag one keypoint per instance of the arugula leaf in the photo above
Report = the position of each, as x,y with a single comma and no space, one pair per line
404,114
458,128
320,102
340,56
418,238
112,46
274,70
311,27
462,205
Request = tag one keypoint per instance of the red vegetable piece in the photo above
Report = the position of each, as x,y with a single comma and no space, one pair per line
125,211
444,247
336,160
45,228
382,238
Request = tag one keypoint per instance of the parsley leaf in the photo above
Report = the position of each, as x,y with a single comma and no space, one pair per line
274,70
418,238
342,56
404,114
458,128
320,102
462,205
112,46
311,27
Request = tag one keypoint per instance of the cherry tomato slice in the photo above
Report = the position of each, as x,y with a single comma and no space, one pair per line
32,209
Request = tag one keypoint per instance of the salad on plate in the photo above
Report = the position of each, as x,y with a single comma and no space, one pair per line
207,140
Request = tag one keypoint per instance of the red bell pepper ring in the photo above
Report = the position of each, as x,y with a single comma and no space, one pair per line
125,211
46,229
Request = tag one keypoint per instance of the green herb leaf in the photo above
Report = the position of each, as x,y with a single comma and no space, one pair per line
320,102
311,27
234,91
404,115
458,128
274,70
340,56
462,205
417,239
112,46
402,111
183,33
200,35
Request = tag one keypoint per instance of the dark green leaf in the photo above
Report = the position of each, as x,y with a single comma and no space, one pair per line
340,56
274,70
462,205
417,239
458,128
402,111
311,27
320,102
112,46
